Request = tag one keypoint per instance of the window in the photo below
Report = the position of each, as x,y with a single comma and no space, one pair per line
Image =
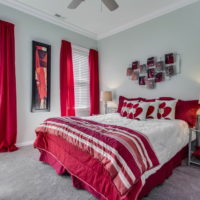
81,81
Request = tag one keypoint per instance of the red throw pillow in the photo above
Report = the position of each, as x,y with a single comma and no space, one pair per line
121,100
187,111
138,111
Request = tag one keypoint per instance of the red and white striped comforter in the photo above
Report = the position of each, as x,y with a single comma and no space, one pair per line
124,153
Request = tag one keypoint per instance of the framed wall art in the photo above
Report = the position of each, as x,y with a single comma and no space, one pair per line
154,70
142,80
151,61
150,83
160,66
142,69
169,58
129,71
151,73
159,77
169,70
135,65
134,75
41,71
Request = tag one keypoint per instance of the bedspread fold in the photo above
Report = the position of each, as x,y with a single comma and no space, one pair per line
124,153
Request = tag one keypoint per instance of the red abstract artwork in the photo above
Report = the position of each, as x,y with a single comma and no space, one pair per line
135,65
151,62
169,58
142,80
151,73
159,77
41,77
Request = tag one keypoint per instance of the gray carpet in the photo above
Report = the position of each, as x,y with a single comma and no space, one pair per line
23,177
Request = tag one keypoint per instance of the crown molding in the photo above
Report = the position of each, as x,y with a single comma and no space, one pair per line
146,18
62,23
47,17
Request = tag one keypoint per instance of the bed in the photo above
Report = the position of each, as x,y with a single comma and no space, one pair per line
165,142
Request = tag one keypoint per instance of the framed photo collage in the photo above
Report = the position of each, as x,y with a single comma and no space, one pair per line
154,71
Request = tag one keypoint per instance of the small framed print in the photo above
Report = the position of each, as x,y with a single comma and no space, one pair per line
143,69
151,61
151,72
160,66
135,65
169,58
169,70
159,77
150,83
129,71
142,80
134,75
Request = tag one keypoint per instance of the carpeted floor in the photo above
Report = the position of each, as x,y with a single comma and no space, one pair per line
23,177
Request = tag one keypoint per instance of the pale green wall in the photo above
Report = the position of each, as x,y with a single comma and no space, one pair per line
28,28
178,32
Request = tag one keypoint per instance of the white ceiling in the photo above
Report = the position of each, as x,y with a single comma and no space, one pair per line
95,20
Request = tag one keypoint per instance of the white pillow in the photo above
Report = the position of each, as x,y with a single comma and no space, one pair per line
138,111
166,109
152,112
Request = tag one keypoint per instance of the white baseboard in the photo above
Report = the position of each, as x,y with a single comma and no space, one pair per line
25,143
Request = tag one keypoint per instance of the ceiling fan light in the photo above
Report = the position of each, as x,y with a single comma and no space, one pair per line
110,4
74,4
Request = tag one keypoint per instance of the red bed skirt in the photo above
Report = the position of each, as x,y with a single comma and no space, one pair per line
155,179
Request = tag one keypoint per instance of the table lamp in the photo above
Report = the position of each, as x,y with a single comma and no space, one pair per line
105,97
198,125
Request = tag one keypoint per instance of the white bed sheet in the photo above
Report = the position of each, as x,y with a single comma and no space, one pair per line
167,137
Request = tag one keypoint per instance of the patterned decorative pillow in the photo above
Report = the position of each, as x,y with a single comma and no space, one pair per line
138,111
121,101
167,109
126,107
152,112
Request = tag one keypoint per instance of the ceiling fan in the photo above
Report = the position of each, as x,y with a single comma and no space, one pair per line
110,4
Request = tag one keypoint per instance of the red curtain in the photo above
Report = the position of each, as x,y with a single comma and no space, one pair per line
67,99
94,82
8,111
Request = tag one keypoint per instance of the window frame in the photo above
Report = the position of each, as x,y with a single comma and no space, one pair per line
81,111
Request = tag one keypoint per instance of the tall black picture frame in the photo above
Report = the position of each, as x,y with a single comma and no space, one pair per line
41,77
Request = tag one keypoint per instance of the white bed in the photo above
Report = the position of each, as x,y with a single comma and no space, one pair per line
166,136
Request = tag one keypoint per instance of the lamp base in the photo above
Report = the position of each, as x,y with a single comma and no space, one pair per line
105,107
198,128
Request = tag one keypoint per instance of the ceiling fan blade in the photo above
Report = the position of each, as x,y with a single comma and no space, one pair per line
111,4
74,4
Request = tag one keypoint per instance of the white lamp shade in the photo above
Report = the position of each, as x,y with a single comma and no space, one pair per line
106,96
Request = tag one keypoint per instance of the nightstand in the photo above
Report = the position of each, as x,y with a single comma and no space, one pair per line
192,146
111,110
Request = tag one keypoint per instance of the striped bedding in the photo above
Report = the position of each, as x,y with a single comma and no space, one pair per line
126,154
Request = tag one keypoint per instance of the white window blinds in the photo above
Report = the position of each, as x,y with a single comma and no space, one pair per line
81,81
